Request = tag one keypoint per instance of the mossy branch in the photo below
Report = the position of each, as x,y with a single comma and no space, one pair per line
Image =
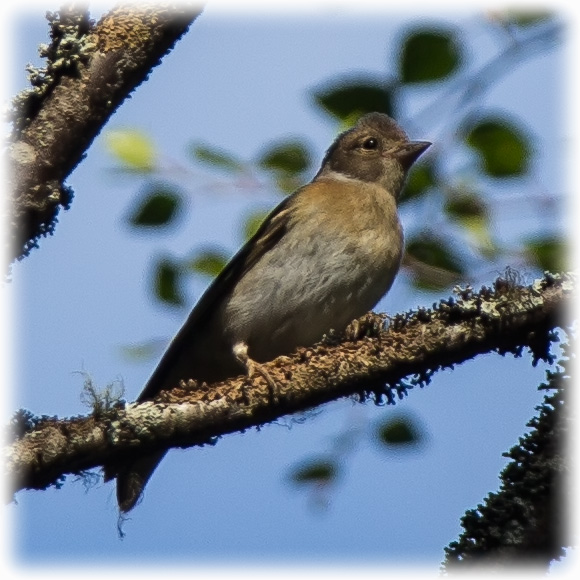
524,522
91,69
383,364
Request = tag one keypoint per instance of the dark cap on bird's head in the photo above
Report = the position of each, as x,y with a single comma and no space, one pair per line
375,150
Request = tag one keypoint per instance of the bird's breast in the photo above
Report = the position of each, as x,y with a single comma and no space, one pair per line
330,268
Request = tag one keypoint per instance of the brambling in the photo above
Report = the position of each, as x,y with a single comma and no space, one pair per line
322,258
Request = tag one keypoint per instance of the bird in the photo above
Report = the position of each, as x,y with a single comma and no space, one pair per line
321,259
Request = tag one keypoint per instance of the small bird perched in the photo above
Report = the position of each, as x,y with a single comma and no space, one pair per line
323,257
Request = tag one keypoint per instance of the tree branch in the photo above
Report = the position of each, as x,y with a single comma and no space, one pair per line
524,523
504,319
90,71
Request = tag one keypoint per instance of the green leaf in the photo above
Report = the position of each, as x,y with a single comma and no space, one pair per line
131,147
288,183
548,253
167,275
434,252
144,351
465,206
316,471
209,262
421,178
398,432
348,99
432,263
467,209
159,208
525,18
287,157
253,222
217,158
504,149
428,55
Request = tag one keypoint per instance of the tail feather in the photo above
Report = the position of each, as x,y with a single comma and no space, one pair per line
131,481
200,351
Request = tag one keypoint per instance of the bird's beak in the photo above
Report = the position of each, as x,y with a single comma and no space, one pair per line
408,153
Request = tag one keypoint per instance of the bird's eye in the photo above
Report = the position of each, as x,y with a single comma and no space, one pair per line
370,144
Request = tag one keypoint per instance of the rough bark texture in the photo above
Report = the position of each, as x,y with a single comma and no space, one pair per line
90,70
524,523
504,319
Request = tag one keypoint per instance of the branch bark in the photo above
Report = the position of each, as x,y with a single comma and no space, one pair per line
524,522
91,69
505,318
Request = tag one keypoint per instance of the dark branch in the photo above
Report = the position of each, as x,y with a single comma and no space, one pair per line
524,522
91,69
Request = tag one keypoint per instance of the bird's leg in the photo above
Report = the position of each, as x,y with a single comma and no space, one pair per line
240,351
369,324
352,331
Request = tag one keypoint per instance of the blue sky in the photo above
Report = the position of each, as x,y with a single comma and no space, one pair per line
239,82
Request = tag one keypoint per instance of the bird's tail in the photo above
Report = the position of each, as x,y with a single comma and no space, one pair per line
132,479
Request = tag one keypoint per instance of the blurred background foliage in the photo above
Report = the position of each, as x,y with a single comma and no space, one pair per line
455,189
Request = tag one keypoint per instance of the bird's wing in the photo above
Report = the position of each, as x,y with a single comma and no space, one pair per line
269,233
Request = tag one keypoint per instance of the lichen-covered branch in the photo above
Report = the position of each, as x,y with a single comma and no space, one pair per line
91,68
505,318
524,522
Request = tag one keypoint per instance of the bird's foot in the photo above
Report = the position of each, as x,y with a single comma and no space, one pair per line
370,324
252,367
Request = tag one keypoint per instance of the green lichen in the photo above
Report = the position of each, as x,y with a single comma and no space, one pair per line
71,45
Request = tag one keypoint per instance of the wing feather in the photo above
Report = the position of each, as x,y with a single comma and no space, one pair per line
274,227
